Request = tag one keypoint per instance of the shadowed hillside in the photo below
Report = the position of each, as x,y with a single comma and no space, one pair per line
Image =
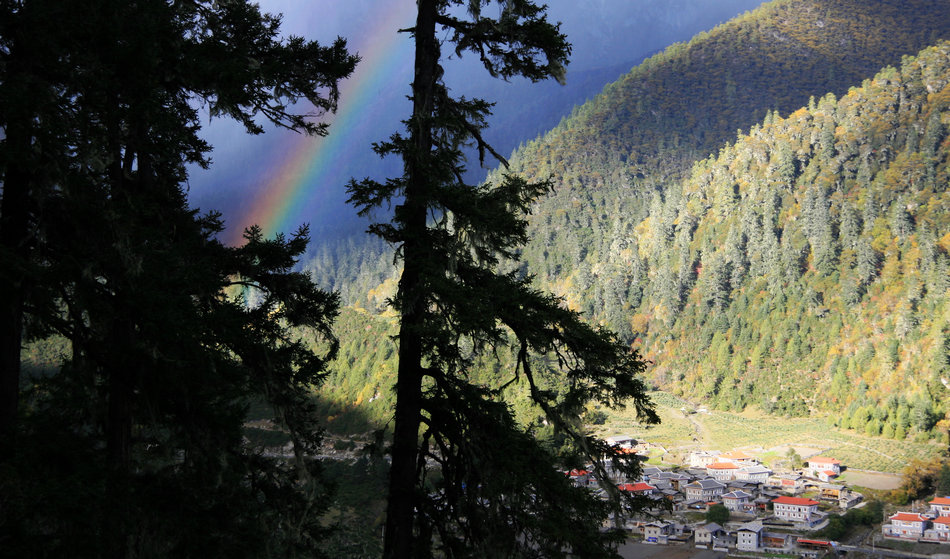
802,270
619,154
816,261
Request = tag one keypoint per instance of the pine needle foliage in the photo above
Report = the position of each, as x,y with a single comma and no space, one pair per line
134,447
467,479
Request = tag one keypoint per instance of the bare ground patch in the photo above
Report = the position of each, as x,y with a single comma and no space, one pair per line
632,550
872,480
803,451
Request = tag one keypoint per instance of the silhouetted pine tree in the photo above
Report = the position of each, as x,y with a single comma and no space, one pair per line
135,447
466,479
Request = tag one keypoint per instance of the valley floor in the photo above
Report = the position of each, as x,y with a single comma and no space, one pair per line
686,427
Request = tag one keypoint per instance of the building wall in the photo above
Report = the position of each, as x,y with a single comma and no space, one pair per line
735,504
793,512
748,541
940,510
903,529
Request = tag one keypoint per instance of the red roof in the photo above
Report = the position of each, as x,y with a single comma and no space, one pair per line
941,501
942,520
575,473
909,517
635,487
722,466
794,501
823,460
829,473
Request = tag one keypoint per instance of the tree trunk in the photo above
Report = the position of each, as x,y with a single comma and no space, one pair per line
14,236
400,512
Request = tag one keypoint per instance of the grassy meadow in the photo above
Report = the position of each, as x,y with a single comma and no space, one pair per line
685,427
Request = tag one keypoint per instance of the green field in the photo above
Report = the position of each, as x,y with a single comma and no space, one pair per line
765,436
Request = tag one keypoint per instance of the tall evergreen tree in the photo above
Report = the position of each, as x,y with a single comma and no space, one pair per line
140,432
465,477
94,96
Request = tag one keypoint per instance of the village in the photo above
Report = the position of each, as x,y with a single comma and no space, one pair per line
768,512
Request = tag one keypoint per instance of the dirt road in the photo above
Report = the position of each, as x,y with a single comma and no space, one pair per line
645,551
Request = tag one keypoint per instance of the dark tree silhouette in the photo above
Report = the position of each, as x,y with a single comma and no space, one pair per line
466,479
135,448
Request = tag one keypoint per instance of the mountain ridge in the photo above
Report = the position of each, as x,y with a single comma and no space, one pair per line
608,164
615,240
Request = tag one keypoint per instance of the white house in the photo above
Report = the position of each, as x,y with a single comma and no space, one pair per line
705,534
736,500
722,471
939,531
823,468
906,525
749,536
795,509
657,532
755,473
940,506
824,475
704,490
702,458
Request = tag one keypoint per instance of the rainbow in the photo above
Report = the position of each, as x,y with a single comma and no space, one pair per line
301,176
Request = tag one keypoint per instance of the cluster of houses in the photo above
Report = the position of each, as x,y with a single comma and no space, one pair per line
931,526
767,510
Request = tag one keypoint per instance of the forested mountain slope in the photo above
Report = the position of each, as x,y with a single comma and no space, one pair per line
806,266
811,273
803,269
621,153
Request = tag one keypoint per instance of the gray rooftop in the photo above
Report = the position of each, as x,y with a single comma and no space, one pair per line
707,483
754,526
